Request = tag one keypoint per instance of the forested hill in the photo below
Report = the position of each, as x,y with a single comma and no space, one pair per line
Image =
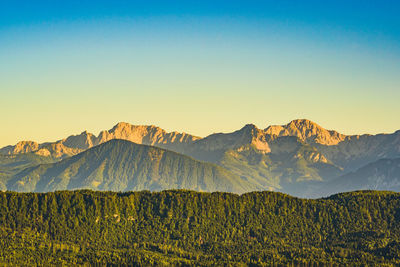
191,228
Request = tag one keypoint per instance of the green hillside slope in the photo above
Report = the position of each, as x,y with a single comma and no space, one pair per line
12,164
121,165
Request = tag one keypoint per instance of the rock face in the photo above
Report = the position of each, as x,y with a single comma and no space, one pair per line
248,135
74,144
83,141
121,165
57,150
19,148
148,135
307,131
287,157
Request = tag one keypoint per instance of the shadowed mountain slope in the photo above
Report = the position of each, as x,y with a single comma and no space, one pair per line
121,165
292,158
383,174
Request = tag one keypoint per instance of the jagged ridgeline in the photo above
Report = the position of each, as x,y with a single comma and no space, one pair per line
121,165
192,228
299,158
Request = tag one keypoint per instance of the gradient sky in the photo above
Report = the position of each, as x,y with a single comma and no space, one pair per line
197,66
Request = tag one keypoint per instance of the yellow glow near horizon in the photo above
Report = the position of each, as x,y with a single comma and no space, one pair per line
55,86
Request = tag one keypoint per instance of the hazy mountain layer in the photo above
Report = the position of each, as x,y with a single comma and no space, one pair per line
292,158
359,150
121,165
383,174
12,164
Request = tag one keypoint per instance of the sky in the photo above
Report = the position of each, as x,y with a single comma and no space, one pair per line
197,66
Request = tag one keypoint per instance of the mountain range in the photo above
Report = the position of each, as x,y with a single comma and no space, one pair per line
300,158
120,165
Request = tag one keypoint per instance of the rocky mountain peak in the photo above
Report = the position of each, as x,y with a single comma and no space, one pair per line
20,147
249,127
304,123
238,140
307,131
86,133
84,140
125,129
146,134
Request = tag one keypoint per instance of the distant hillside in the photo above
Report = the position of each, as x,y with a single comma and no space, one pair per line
359,150
121,165
383,174
294,158
12,164
186,228
283,163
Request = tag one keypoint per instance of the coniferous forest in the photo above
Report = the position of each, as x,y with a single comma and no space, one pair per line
182,228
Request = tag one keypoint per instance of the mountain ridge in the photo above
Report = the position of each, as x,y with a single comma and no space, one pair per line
306,130
74,144
290,158
121,165
383,174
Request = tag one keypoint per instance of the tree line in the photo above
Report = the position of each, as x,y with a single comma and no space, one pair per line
180,227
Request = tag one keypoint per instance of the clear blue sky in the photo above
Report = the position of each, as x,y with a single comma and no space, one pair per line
197,66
